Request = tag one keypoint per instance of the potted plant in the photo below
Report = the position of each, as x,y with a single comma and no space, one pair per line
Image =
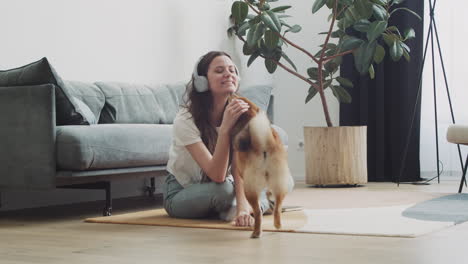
334,155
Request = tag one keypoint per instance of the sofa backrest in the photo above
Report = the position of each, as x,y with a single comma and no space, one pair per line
119,102
88,98
140,103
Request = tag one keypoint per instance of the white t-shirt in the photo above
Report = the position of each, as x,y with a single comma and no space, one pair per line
181,164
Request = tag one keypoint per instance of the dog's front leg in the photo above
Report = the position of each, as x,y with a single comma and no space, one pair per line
252,197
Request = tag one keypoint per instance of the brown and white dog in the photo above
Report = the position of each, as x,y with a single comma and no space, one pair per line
261,161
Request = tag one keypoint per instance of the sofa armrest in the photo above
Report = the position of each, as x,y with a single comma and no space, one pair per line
27,137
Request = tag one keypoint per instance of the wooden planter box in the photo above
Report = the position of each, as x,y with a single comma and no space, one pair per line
336,155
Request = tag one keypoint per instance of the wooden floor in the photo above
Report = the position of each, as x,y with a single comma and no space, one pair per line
58,235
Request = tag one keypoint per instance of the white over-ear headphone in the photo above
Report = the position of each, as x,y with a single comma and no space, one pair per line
201,82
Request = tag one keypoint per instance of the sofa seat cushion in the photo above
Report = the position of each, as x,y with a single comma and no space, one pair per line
107,146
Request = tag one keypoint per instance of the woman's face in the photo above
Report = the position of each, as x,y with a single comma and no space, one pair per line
222,76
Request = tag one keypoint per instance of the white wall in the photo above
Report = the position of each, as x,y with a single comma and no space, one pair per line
451,26
136,41
142,41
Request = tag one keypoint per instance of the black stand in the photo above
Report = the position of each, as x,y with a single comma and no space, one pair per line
430,34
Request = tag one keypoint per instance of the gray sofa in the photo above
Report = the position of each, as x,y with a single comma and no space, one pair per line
70,134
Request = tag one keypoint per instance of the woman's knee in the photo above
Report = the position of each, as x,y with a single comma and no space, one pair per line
224,191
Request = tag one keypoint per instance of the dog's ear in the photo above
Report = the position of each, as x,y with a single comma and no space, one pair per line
245,117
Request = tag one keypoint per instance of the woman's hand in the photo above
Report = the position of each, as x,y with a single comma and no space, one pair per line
243,219
233,111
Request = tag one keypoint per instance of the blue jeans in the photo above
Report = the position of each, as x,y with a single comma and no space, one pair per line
202,200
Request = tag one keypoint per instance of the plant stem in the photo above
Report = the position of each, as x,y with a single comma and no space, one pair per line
338,55
286,68
320,66
298,47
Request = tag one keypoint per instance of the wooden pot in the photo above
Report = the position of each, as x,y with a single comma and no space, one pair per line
336,155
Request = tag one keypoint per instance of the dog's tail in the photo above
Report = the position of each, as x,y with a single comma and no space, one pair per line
263,138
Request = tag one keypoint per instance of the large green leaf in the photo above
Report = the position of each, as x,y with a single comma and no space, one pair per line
247,50
363,56
275,19
362,25
243,28
404,46
317,5
380,13
350,43
364,8
264,7
371,71
253,57
396,51
255,20
280,8
271,39
394,29
389,39
269,22
294,29
406,55
337,34
255,33
380,2
351,15
331,66
239,11
406,9
345,82
375,29
346,2
379,54
251,16
288,60
409,33
330,3
313,73
341,94
396,2
270,65
311,94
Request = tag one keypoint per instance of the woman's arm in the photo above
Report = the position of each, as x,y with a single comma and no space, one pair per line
216,165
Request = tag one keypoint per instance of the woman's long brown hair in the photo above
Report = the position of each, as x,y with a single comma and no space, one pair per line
200,104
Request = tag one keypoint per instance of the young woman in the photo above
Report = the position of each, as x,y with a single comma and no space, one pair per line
199,183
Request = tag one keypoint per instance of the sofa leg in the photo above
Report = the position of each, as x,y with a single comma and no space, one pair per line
108,209
152,188
102,185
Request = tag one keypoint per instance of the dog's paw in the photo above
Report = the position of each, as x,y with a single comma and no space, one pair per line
256,234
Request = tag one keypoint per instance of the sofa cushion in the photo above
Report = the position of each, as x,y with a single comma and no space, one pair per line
41,72
89,94
112,146
258,94
139,103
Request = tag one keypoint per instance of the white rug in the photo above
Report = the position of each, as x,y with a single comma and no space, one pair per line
372,221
